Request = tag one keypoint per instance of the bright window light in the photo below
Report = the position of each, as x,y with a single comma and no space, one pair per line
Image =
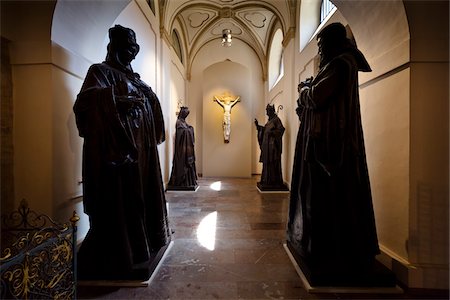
206,231
216,185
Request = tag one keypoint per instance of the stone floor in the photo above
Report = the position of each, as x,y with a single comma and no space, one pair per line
228,244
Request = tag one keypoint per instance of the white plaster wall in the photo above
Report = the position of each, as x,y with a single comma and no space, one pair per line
428,246
66,146
33,123
429,176
385,118
31,75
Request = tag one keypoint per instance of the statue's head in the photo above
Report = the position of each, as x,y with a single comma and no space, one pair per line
122,47
184,112
270,109
331,40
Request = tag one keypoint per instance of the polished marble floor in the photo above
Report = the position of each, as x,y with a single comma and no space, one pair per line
228,244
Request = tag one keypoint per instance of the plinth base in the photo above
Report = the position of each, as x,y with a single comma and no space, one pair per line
192,188
153,268
264,188
371,288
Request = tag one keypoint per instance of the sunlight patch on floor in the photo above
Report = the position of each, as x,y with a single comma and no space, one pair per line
216,185
206,231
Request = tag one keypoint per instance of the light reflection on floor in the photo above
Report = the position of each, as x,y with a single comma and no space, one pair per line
216,186
206,231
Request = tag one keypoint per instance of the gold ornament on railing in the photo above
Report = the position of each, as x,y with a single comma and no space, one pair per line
37,256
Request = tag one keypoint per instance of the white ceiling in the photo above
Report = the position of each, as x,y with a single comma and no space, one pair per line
252,22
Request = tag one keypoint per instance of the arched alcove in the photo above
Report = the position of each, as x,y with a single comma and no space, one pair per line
79,38
210,54
231,159
381,33
80,26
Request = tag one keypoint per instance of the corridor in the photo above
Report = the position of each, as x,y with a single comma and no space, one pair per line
228,244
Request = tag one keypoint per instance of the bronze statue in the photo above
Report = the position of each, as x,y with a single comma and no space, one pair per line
120,119
184,174
270,139
331,227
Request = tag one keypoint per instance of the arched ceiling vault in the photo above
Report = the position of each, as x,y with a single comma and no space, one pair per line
252,22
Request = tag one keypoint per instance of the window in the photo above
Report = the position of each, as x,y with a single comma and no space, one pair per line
276,68
326,8
177,45
312,17
151,3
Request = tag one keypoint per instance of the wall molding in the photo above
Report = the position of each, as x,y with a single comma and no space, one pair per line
385,75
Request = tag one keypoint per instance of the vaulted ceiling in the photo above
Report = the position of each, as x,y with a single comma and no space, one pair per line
252,22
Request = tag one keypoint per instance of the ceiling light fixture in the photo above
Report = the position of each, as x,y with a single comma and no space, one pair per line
226,37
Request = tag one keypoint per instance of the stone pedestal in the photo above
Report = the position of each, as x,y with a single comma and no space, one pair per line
192,188
141,276
379,279
272,188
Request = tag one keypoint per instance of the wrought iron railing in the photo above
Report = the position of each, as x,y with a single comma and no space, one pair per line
38,257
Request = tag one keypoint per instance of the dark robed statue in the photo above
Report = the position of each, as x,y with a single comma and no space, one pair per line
331,227
270,139
120,119
184,174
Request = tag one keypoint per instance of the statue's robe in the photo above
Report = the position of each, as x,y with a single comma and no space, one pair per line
270,139
123,191
331,226
184,173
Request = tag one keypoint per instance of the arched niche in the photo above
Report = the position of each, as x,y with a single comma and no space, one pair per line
231,159
79,36
80,26
382,32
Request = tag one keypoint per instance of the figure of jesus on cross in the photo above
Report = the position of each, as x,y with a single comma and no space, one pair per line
227,102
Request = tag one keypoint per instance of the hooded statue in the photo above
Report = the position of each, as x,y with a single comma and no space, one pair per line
184,173
120,119
331,226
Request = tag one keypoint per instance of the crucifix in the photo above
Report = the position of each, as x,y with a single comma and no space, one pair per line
227,102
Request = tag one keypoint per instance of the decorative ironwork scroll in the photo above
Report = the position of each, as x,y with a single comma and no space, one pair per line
37,259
